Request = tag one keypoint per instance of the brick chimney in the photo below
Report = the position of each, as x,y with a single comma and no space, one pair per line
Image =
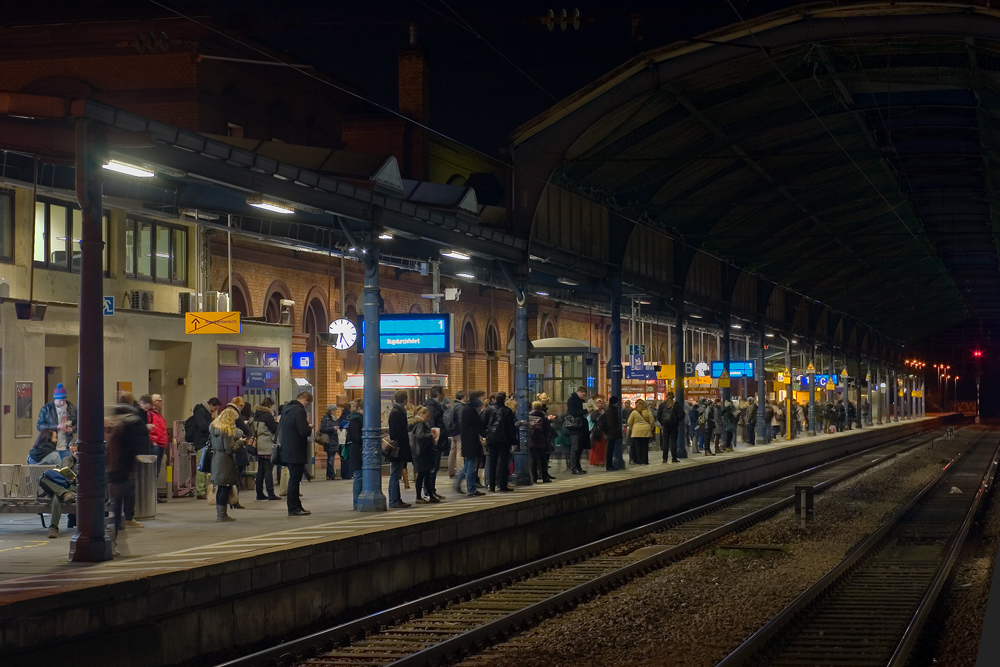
413,103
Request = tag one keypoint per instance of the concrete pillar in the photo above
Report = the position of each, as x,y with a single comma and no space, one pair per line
90,543
372,499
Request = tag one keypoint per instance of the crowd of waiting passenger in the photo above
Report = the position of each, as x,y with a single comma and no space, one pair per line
472,435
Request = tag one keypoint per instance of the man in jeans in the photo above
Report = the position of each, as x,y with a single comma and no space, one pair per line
295,431
453,423
400,436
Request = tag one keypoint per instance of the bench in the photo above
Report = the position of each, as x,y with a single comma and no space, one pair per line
19,491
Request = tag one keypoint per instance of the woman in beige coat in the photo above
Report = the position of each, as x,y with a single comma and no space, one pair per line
640,429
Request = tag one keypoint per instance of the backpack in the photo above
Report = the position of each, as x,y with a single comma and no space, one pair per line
537,436
703,418
190,429
494,429
451,424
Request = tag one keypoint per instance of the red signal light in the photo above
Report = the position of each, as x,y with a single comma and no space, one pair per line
977,353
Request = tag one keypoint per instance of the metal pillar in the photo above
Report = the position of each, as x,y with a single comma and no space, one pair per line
678,304
812,393
895,395
522,474
726,326
857,406
372,499
871,407
788,388
615,358
90,543
762,424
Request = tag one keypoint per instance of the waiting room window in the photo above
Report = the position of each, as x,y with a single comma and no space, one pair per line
6,226
58,231
155,251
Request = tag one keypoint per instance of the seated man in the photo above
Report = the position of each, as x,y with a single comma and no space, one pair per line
61,485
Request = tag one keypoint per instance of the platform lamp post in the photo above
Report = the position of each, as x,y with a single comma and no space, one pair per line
522,473
954,398
371,499
90,543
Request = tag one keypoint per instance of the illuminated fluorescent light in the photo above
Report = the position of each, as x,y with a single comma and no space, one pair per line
769,335
454,254
567,281
695,316
736,326
542,293
465,275
128,169
385,237
271,206
646,303
794,341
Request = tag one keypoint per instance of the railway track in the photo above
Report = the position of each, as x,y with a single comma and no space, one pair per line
871,608
467,618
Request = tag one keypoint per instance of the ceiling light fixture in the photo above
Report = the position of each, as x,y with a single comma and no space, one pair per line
794,341
465,275
127,169
736,326
769,335
542,293
385,236
271,206
567,281
695,316
454,254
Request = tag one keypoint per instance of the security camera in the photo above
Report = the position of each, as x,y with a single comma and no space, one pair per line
287,303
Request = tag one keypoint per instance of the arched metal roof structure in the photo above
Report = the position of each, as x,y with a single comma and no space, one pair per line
846,151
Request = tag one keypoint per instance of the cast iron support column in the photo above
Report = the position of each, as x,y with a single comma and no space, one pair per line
90,543
372,499
762,424
678,305
857,406
726,326
615,357
895,395
522,473
788,388
812,394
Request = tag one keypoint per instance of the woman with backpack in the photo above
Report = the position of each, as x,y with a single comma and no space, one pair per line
264,432
640,429
539,436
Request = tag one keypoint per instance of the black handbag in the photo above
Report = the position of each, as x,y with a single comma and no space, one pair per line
276,455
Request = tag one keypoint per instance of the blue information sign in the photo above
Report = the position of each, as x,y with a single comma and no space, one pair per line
303,361
255,378
737,369
406,334
821,380
109,306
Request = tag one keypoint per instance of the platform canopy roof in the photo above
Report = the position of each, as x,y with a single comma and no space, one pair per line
846,151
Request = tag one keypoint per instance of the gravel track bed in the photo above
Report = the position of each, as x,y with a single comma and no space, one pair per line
696,611
957,625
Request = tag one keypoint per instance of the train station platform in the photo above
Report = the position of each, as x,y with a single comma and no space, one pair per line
190,586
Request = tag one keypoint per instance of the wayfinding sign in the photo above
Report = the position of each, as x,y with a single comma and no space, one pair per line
412,334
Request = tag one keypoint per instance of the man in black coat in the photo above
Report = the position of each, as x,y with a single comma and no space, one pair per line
400,435
501,436
295,433
435,406
472,430
355,442
575,425
669,421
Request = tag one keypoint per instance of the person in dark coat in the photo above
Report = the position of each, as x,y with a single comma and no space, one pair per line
669,422
575,424
44,450
539,436
355,445
124,431
611,423
472,430
328,426
399,434
500,444
435,406
226,441
203,415
424,452
295,433
265,430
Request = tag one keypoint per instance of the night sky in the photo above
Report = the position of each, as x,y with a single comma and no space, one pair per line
477,96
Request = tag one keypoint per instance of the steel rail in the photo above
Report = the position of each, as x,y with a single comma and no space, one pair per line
920,616
295,650
748,650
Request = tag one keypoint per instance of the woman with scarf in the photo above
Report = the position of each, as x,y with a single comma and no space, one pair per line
225,443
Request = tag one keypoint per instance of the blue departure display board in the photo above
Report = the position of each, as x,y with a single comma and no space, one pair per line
737,369
412,334
821,380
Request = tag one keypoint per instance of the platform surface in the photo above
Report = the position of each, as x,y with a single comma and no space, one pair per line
185,535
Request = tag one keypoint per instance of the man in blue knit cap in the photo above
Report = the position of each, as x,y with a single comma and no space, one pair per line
60,416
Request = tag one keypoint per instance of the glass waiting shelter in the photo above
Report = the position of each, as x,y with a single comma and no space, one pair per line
557,366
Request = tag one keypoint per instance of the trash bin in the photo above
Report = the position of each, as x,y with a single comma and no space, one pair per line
145,486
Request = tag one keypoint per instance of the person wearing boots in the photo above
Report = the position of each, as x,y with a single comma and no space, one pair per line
575,425
265,430
225,441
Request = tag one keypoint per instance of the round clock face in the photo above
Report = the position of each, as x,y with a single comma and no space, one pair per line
344,334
